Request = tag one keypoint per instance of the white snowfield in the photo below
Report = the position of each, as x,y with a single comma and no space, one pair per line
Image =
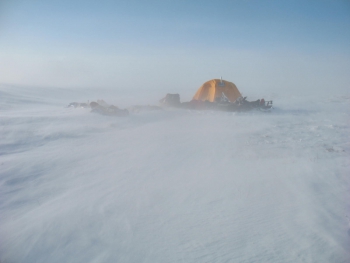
172,185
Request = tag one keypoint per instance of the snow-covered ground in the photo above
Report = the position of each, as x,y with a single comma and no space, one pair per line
172,185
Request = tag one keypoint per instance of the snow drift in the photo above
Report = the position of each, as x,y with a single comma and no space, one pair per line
172,185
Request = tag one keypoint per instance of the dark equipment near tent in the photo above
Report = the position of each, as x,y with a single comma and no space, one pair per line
110,110
219,95
171,100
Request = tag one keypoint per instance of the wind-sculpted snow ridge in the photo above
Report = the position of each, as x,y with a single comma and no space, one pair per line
174,185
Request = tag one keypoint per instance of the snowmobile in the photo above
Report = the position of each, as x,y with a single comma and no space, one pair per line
101,107
109,110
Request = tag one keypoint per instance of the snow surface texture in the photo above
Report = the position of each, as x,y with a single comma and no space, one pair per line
172,185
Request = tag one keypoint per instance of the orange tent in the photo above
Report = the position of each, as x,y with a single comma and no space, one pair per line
214,88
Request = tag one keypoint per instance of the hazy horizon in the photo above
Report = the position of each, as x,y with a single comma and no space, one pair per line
273,46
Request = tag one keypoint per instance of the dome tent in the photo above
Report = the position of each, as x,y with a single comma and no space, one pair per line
215,88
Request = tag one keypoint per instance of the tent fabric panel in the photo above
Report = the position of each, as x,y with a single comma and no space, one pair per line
212,89
230,90
206,92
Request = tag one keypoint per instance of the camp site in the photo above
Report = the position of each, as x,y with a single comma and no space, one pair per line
215,94
173,131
